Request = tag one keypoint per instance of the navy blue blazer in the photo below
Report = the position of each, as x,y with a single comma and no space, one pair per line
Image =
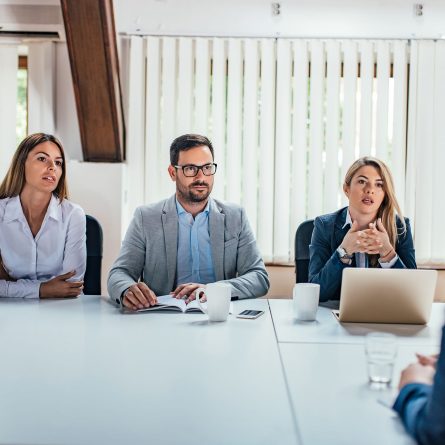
422,407
325,267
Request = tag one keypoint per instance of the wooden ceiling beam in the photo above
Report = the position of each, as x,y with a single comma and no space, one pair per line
91,39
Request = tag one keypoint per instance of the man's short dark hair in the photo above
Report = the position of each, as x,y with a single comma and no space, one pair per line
186,142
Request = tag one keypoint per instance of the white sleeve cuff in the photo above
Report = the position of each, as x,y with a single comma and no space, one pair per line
20,288
389,264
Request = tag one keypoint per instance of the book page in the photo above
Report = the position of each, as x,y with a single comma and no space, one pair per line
166,302
193,306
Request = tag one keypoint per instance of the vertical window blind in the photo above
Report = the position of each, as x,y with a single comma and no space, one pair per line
426,152
8,104
287,117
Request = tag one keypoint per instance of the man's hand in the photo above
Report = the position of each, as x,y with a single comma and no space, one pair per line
427,360
60,287
138,296
186,291
417,373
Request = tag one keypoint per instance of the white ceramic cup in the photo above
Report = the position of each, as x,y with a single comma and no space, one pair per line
218,300
305,301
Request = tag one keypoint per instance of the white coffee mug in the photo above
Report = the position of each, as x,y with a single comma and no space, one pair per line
218,300
305,300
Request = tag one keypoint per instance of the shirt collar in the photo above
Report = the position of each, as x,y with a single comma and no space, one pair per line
181,209
348,220
14,209
54,209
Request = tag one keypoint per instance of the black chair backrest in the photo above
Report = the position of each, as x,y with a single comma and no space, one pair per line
92,278
302,241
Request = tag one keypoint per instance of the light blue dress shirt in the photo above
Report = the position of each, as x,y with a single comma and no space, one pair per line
194,258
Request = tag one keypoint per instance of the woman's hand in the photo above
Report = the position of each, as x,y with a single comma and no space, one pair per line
352,240
376,241
59,287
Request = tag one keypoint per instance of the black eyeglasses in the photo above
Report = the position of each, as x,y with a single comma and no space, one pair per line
192,170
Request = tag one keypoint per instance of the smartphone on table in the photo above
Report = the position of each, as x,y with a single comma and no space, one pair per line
250,314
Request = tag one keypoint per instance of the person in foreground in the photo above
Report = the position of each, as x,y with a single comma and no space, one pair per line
370,232
421,401
42,234
188,240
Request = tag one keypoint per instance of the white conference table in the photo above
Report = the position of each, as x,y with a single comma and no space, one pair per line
80,372
332,399
325,368
327,329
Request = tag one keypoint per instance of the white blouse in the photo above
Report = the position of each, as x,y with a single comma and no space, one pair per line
59,246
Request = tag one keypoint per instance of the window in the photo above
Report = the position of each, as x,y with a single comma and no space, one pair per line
22,98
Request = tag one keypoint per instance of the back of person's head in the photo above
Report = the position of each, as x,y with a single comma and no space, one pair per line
15,178
186,142
389,207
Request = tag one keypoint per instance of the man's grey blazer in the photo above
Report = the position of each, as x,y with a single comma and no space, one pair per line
149,251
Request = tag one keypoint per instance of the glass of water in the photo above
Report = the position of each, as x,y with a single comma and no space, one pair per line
381,351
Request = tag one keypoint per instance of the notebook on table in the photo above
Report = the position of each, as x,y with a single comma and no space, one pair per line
386,295
171,304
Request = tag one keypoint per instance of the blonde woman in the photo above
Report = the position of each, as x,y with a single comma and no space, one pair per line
370,232
42,234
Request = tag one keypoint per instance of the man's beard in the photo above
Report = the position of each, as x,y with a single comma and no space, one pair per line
188,195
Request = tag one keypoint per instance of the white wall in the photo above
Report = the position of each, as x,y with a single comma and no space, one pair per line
67,126
298,18
41,87
97,188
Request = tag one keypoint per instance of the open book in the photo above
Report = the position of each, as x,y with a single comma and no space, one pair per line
168,303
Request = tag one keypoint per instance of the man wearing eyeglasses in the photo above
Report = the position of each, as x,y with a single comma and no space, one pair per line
188,240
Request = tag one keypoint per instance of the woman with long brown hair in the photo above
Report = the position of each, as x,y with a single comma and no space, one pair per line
42,234
370,232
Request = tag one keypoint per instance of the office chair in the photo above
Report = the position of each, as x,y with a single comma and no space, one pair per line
92,278
302,241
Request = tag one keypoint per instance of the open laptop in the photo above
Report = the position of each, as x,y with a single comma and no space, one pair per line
386,295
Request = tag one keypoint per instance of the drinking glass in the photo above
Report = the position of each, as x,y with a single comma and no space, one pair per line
381,351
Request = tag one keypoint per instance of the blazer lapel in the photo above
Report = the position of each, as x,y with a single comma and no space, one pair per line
170,228
339,231
216,227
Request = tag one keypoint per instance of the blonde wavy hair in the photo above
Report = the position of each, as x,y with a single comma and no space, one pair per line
389,208
14,180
